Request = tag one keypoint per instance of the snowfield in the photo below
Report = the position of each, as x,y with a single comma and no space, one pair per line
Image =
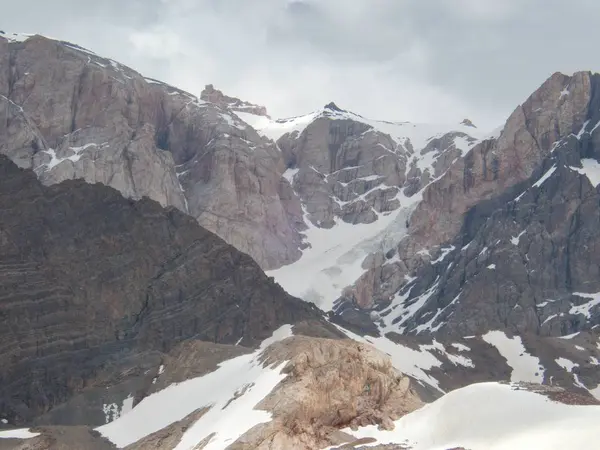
228,418
335,256
493,416
334,260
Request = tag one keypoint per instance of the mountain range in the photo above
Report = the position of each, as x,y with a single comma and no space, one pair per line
405,264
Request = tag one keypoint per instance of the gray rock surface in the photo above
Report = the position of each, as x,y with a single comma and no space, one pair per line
478,203
68,113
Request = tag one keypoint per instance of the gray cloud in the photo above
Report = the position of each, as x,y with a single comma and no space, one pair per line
419,60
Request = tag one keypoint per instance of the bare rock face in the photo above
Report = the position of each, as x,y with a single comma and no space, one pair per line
556,111
70,114
212,95
331,384
91,281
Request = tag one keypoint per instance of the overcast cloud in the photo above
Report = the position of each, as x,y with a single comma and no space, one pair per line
417,60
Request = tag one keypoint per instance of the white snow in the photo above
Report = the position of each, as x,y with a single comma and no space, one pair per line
493,416
227,418
580,348
418,134
569,336
549,318
566,364
408,361
402,309
232,122
515,239
334,259
564,92
586,308
461,347
547,175
21,433
76,156
591,169
289,174
583,130
492,266
525,366
17,37
445,252
274,129
80,49
464,144
460,360
494,134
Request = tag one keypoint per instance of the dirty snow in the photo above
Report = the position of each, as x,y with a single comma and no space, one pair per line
213,390
493,416
525,366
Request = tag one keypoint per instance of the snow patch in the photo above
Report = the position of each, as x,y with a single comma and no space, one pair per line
566,364
461,347
547,175
525,366
515,239
289,174
445,252
591,169
411,362
21,433
227,418
585,309
492,416
334,259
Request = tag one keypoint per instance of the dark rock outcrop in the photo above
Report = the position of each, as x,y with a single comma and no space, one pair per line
525,255
89,279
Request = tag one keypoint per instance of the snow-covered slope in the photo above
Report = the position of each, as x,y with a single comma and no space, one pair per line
492,416
231,392
419,134
395,162
334,258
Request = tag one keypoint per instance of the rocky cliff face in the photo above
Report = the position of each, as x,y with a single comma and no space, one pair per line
212,95
91,280
505,238
68,113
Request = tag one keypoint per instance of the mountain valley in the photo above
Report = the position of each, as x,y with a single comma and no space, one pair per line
182,272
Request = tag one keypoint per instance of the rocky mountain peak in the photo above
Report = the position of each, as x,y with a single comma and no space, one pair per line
212,95
468,123
331,106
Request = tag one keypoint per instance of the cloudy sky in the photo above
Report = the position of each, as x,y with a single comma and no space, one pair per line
417,60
